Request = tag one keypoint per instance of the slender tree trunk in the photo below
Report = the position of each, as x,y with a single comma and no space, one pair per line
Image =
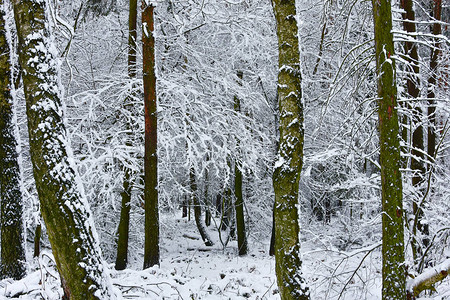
12,239
124,223
239,208
435,53
207,199
151,249
198,209
394,274
37,240
63,206
288,264
239,200
417,152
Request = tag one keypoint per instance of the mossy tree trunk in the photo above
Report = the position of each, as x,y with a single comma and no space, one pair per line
394,279
290,155
63,206
124,223
151,247
12,239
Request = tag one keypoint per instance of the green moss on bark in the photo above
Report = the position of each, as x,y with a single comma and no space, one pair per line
12,250
63,206
290,155
394,274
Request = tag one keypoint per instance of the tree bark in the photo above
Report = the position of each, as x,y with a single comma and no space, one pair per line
124,223
417,152
393,272
435,53
239,199
290,155
151,249
12,239
63,206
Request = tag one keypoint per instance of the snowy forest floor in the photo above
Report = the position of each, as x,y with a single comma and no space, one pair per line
189,270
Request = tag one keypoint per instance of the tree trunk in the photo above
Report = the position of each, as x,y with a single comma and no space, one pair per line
417,157
63,206
124,223
12,239
151,249
198,209
239,200
37,240
290,155
391,182
207,201
435,53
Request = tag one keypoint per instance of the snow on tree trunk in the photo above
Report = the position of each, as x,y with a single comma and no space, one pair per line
290,155
151,248
393,272
64,208
12,239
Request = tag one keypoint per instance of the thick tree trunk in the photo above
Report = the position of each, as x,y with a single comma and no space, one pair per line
63,206
290,155
198,209
417,152
151,249
124,223
394,275
12,239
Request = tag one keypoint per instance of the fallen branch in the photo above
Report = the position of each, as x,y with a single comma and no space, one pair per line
427,279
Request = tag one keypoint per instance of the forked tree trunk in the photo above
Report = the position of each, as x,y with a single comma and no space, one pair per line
64,207
393,273
288,263
151,248
12,241
124,223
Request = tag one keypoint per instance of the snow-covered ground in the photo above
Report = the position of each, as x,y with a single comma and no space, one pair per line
189,270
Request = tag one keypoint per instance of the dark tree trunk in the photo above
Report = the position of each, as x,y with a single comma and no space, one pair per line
124,223
393,273
37,240
417,156
432,80
239,199
12,241
151,249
